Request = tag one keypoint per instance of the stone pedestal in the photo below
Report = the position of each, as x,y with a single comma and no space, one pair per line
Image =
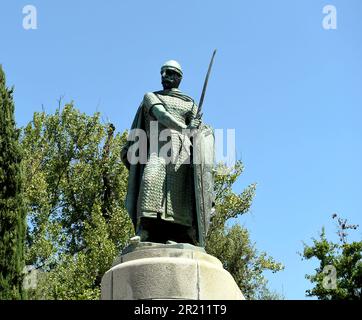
168,271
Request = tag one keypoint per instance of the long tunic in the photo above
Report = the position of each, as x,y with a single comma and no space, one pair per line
167,186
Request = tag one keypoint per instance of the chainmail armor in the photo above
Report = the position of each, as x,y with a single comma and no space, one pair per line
167,189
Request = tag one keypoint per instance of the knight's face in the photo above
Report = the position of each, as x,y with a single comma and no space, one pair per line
170,79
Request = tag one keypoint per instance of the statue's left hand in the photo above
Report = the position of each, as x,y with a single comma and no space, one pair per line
194,123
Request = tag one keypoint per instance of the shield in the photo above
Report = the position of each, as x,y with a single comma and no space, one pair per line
203,164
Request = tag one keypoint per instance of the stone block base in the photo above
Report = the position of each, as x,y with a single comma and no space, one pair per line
178,271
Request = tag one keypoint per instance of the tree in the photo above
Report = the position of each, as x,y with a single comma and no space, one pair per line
12,210
231,243
339,274
75,190
78,224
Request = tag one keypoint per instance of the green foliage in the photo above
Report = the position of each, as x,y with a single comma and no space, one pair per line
12,210
344,257
232,245
75,192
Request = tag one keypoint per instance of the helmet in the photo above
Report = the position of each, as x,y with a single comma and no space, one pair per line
173,65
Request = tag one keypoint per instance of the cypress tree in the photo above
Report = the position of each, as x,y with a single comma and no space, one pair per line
12,209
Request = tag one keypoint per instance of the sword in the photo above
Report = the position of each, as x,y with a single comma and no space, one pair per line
200,219
199,114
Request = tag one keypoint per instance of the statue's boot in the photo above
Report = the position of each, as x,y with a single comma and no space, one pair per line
143,235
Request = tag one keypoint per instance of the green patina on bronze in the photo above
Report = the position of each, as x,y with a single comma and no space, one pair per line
171,201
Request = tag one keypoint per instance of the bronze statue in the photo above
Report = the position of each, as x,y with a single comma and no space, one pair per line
169,195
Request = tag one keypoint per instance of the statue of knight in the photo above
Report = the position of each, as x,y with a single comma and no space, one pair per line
170,194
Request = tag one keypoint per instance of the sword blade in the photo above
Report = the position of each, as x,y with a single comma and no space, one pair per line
205,85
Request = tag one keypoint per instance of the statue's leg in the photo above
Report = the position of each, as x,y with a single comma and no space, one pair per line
143,230
150,230
179,233
161,231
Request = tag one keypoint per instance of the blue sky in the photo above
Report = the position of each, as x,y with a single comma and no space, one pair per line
291,89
